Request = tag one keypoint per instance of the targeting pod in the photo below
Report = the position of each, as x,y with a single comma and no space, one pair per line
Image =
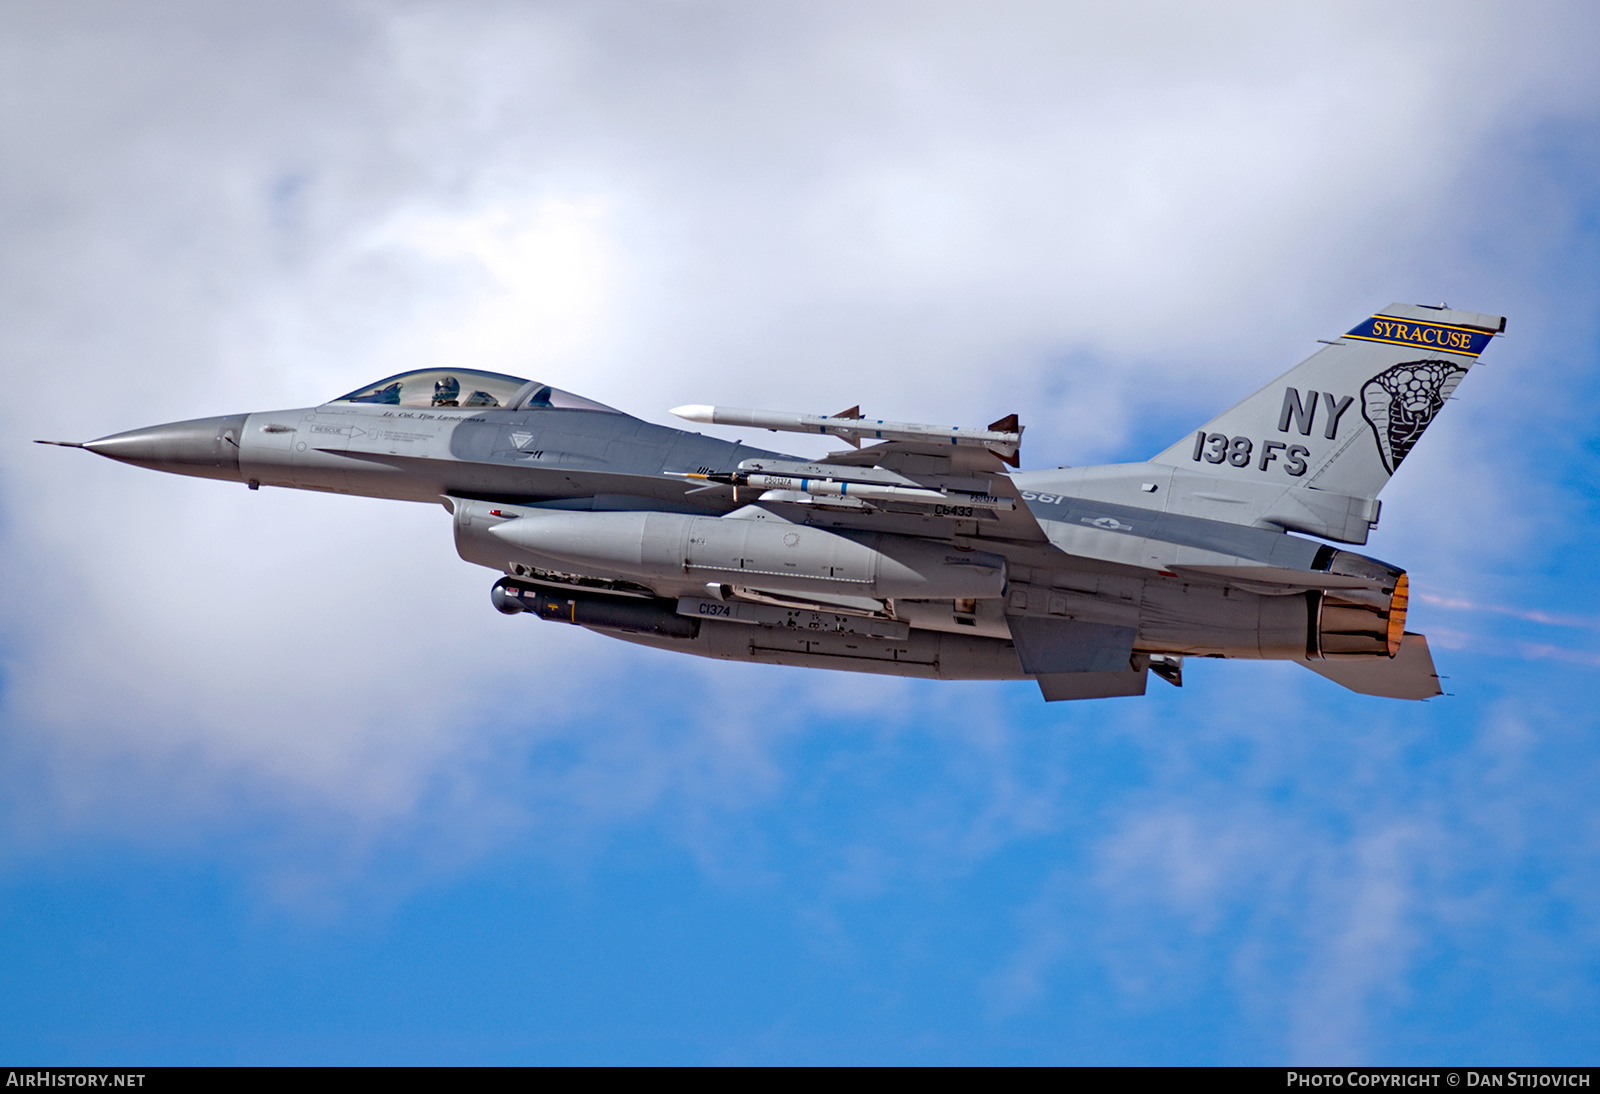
636,615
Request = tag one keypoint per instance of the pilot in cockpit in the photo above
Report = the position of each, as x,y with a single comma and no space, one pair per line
447,392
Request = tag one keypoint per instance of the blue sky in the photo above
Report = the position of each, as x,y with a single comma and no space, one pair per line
277,785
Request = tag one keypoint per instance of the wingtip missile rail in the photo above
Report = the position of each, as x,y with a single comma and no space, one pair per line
1004,442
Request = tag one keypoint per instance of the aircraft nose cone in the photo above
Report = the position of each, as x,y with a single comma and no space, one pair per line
206,447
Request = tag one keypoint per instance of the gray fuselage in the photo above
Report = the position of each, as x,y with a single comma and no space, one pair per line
1113,557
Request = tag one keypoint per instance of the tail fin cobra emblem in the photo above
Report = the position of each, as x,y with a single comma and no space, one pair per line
1400,402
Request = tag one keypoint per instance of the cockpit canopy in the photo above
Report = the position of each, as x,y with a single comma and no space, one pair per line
468,387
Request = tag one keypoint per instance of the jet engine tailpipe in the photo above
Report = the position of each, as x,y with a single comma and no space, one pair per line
1356,626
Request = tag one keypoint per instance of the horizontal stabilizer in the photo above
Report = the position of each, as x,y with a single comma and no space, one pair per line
1274,580
1409,674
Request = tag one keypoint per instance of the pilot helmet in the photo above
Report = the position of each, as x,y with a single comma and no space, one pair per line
446,391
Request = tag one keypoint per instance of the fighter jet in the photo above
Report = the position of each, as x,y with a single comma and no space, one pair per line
919,550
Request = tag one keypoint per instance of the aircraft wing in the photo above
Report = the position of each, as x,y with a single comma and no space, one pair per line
953,470
951,480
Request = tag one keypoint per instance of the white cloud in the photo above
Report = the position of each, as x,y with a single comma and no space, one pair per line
1084,213
1292,872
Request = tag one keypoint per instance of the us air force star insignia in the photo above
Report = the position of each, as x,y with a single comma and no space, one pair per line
1400,402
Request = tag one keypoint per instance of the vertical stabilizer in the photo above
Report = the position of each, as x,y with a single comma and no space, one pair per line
1343,420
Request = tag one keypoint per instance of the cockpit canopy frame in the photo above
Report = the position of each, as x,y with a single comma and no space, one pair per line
467,388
